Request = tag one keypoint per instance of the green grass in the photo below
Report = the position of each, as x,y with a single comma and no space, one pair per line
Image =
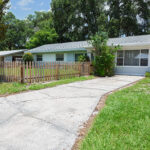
124,123
10,88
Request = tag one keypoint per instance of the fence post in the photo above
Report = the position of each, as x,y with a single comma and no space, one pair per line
57,72
80,69
89,68
22,73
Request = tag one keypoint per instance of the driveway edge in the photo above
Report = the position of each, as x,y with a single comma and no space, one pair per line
88,124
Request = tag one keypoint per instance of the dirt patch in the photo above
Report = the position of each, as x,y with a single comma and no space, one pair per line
86,126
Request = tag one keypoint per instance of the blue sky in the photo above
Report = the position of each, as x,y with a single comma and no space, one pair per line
22,8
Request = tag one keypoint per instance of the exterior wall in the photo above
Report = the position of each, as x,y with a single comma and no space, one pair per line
34,57
70,57
51,57
125,70
133,70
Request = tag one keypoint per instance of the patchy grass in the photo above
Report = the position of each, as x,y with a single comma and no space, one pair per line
124,123
10,88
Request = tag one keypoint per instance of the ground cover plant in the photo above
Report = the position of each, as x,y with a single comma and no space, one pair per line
124,123
9,88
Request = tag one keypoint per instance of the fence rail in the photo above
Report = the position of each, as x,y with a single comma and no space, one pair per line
33,72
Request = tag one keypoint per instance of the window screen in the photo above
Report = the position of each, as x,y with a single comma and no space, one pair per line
144,57
132,58
120,58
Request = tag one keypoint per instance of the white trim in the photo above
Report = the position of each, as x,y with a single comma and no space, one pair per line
133,66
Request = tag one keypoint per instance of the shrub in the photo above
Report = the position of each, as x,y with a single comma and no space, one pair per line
147,74
27,57
83,58
104,62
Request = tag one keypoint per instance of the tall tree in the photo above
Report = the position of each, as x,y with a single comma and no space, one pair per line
143,11
16,34
128,17
3,7
43,29
77,19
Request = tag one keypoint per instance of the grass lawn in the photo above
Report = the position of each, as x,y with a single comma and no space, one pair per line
9,88
124,123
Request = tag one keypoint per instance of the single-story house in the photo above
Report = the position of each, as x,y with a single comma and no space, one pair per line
132,59
13,55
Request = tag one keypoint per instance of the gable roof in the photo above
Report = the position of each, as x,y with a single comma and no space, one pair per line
84,45
70,46
5,53
130,41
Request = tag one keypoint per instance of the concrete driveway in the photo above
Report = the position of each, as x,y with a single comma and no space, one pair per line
50,119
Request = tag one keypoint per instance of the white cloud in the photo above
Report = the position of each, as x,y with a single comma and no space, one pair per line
25,2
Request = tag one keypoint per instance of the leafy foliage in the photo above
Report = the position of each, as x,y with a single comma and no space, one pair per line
3,27
79,18
44,32
128,17
84,58
74,20
16,34
104,62
147,74
42,37
27,57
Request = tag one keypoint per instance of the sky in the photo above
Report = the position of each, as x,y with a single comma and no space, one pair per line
22,8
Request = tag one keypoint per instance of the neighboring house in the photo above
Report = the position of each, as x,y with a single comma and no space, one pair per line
13,55
132,59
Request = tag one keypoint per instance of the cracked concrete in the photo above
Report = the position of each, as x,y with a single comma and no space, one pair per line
50,119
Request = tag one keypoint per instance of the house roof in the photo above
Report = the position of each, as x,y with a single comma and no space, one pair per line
70,46
84,45
5,53
130,41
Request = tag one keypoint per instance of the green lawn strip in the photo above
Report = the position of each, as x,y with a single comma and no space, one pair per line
124,123
10,88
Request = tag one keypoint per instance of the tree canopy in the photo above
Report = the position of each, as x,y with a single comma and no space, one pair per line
128,17
74,20
77,19
3,7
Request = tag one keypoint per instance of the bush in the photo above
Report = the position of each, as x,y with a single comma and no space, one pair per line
104,62
104,65
83,58
27,57
147,74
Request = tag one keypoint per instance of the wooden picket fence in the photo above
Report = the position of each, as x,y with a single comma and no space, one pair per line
33,72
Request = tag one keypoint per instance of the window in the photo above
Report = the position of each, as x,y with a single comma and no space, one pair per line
132,58
120,58
39,58
144,57
77,56
59,57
